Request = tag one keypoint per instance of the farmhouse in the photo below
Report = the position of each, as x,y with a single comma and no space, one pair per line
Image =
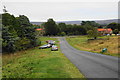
105,31
40,31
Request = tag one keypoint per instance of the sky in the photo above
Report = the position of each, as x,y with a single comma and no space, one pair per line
62,10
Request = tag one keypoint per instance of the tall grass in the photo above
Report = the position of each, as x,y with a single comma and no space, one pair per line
39,63
109,42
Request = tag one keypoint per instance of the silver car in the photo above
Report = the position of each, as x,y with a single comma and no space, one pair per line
51,42
45,46
54,48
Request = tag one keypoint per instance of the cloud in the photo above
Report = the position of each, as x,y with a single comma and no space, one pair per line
41,11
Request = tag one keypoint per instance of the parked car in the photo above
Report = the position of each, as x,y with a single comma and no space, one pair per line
49,45
51,42
54,48
45,46
118,34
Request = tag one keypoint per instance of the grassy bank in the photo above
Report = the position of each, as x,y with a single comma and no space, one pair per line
39,63
82,43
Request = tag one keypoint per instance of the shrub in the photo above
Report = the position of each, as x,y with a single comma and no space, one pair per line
63,33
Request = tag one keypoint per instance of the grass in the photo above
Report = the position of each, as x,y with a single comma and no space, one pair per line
109,42
0,66
39,63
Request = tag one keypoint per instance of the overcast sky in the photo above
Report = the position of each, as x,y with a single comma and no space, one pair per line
63,10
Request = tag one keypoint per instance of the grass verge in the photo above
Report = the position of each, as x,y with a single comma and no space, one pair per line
96,46
39,63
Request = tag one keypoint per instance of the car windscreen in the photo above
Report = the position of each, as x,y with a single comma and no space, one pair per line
45,45
54,46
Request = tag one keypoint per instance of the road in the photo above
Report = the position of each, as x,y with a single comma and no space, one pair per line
91,65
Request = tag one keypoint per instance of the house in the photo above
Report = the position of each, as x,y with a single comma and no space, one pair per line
40,31
105,31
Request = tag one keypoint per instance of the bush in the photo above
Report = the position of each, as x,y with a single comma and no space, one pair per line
38,42
63,33
116,31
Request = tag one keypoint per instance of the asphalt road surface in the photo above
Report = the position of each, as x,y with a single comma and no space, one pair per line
91,65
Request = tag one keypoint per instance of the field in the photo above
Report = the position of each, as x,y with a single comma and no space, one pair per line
38,63
109,42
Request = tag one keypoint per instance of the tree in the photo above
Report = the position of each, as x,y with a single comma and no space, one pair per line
113,26
62,27
93,33
51,28
118,26
91,23
8,39
26,29
63,34
8,19
88,27
115,31
74,30
17,33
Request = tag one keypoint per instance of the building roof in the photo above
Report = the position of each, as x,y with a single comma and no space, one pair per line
108,29
39,29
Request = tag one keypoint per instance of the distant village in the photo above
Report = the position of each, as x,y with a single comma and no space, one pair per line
103,31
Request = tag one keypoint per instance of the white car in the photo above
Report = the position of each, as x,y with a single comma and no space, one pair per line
48,45
45,46
54,48
118,34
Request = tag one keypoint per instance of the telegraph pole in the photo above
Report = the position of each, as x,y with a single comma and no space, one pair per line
4,9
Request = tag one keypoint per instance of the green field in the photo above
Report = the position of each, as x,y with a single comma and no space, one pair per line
109,42
39,63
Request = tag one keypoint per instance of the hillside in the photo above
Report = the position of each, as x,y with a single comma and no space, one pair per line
37,23
78,22
107,21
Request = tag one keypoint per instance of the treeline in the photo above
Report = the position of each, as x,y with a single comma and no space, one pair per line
61,29
17,33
